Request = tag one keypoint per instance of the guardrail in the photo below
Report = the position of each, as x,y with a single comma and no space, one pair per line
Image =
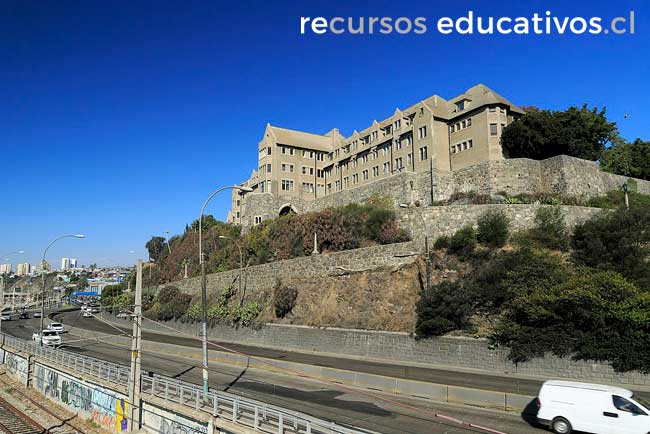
102,369
244,411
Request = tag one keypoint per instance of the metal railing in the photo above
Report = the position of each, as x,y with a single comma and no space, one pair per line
239,410
107,371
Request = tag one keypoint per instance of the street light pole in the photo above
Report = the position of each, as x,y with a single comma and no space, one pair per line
241,261
427,259
204,297
43,277
626,190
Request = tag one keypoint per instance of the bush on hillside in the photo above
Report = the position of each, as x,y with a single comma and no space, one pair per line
170,303
284,299
550,229
463,242
617,241
445,307
493,228
441,242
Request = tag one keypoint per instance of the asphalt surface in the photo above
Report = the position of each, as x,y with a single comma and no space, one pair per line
507,384
402,415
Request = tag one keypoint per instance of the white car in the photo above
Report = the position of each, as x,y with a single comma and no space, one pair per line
56,327
5,317
86,314
37,314
50,338
566,406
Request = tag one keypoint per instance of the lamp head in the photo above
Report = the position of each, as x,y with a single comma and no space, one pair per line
79,236
244,189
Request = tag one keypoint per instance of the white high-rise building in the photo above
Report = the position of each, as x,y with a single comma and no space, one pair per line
65,263
24,269
5,269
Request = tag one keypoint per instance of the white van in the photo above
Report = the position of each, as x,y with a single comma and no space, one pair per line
566,406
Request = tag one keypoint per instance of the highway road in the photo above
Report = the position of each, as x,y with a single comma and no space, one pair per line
301,394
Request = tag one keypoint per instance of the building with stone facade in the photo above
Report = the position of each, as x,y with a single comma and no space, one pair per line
433,134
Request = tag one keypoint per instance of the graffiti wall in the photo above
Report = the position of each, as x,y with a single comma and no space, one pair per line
105,407
158,421
17,366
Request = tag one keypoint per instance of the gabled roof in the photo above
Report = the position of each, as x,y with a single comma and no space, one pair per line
301,139
480,95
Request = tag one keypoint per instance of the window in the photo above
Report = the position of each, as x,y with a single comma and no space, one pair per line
365,174
329,186
398,163
469,122
287,185
238,202
386,167
492,109
423,154
409,160
304,170
374,136
238,214
375,171
355,178
338,185
355,162
457,126
502,110
493,129
464,146
398,145
384,150
268,151
346,182
308,187
422,132
463,124
409,140
398,124
263,187
364,159
268,168
460,105
375,154
451,129
258,219
470,144
623,404
320,173
453,149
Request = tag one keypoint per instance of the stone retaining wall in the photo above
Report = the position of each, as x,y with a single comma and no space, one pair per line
445,352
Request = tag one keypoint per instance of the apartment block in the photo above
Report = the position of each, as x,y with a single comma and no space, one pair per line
5,268
24,269
434,134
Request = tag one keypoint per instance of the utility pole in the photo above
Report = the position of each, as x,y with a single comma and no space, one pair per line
136,345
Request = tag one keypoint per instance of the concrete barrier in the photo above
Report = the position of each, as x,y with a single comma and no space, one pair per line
435,392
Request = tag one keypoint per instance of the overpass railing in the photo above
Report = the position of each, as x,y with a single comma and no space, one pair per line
237,409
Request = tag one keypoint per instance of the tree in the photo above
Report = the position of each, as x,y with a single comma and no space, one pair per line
618,241
156,247
445,307
493,228
628,159
577,132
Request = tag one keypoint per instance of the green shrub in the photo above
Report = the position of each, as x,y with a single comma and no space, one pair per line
284,299
493,228
550,229
441,242
445,307
463,242
617,241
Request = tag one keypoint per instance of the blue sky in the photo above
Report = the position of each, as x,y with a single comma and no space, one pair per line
117,119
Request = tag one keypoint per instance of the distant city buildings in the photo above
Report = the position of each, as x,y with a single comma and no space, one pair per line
5,269
24,269
68,264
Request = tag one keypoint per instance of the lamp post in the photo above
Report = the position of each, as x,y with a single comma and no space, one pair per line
241,260
43,276
204,297
426,243
626,190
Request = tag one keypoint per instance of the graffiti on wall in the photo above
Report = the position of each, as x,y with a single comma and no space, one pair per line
16,366
166,422
106,408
